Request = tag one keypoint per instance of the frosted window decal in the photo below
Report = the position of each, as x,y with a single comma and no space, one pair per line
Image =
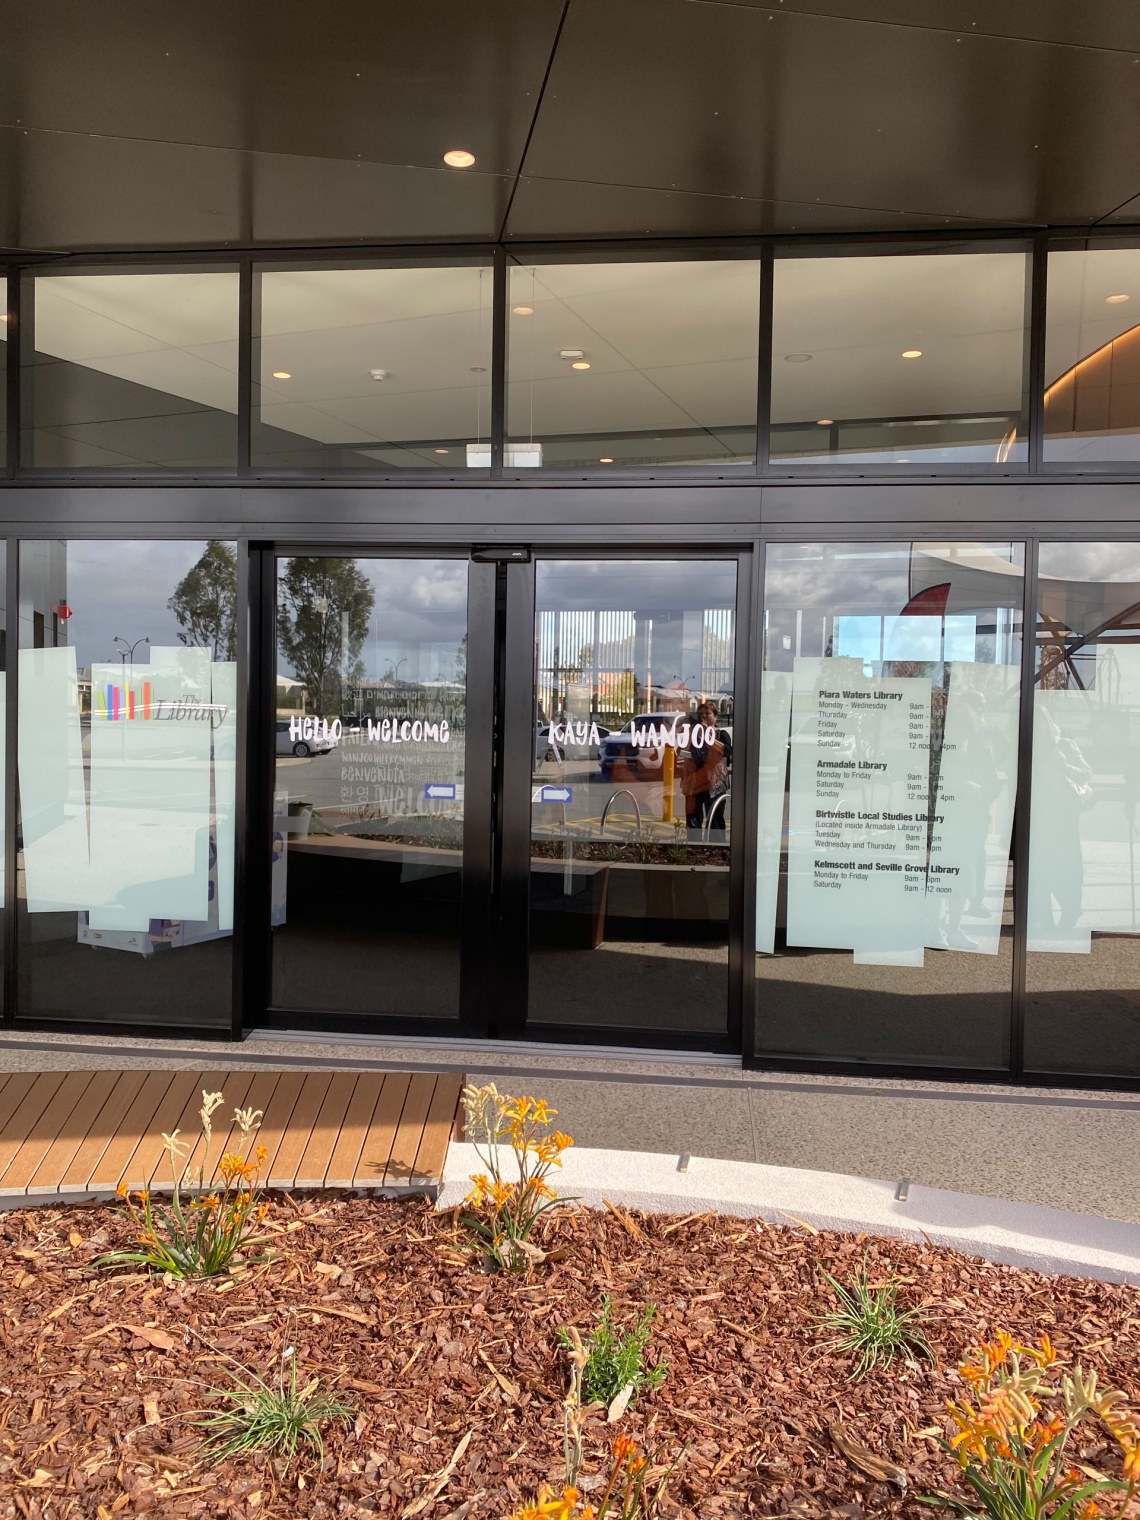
224,734
973,813
775,715
53,801
151,732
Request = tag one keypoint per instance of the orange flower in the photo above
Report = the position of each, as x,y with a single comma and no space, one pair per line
122,1191
624,1446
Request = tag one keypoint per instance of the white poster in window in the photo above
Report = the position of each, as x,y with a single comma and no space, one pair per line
775,716
223,694
151,730
53,798
973,812
857,816
1062,792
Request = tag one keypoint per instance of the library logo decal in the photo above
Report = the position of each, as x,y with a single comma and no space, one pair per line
118,704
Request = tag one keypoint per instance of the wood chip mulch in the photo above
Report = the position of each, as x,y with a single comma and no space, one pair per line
100,1373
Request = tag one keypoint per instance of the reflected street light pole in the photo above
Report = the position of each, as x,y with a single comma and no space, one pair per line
129,656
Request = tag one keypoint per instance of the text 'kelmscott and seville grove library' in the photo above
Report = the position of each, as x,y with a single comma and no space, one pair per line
500,542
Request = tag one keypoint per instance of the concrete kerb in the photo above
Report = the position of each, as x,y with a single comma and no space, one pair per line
1016,1234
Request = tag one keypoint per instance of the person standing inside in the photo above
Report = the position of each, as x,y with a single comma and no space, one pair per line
704,775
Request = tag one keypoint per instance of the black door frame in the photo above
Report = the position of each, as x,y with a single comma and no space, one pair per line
495,916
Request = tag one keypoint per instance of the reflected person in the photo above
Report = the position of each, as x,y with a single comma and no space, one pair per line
704,774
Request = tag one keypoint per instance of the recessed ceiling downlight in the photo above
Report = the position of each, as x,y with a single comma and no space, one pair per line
1114,300
523,311
825,422
282,374
580,364
605,459
797,358
458,158
912,353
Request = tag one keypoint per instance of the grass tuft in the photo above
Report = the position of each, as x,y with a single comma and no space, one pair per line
870,1324
278,1421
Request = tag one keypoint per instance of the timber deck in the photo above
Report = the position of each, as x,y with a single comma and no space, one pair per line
79,1134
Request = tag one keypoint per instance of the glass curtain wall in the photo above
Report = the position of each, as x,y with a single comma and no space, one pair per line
1083,962
631,815
368,799
1092,357
904,360
888,770
130,369
622,365
127,730
372,368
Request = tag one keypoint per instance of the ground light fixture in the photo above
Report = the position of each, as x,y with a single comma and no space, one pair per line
458,158
1114,300
282,374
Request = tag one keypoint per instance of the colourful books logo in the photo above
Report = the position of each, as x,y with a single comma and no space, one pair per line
114,703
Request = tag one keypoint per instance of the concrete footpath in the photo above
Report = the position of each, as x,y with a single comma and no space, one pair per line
1019,1234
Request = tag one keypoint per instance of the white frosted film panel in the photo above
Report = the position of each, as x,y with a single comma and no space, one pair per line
53,803
223,677
150,789
775,715
1062,792
858,812
973,812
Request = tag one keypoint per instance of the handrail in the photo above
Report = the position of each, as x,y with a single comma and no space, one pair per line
623,791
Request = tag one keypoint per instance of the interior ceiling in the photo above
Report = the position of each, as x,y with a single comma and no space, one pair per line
147,124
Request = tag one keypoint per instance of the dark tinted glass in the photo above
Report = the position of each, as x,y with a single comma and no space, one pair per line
888,771
1083,966
127,729
910,360
131,369
370,738
1092,357
631,825
631,364
373,369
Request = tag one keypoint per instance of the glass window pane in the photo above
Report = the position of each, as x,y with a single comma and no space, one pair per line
888,771
615,365
916,359
1092,356
127,730
368,801
631,803
1083,963
130,369
376,369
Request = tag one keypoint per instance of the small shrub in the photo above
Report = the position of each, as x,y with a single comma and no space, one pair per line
500,1126
616,1358
277,1420
207,1223
1011,1452
870,1324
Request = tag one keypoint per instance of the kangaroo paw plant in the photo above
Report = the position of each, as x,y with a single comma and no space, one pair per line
513,1141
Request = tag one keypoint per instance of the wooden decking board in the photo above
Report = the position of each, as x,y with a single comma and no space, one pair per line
87,1131
401,1168
104,1128
438,1125
341,1170
66,1146
314,1163
382,1130
55,1119
115,1160
296,1137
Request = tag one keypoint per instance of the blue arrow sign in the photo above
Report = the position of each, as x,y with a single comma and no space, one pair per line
445,789
556,794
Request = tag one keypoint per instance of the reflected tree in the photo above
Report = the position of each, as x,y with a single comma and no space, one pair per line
324,606
205,602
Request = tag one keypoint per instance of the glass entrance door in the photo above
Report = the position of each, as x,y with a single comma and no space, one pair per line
631,834
369,763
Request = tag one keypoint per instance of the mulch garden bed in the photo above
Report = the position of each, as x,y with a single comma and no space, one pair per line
100,1372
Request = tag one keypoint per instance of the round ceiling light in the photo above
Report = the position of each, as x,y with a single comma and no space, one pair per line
458,158
580,364
797,358
441,451
912,353
282,374
605,460
528,311
1114,300
826,422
